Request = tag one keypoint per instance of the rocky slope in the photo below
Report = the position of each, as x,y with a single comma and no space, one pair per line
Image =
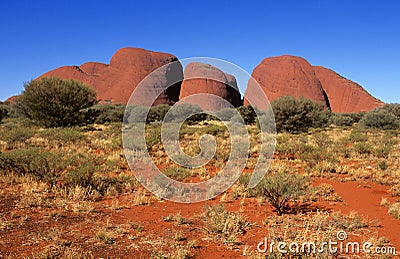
344,95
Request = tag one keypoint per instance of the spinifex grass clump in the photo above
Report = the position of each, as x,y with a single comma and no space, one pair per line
227,225
283,189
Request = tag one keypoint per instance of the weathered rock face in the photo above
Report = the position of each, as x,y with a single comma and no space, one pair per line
286,76
202,78
128,67
344,95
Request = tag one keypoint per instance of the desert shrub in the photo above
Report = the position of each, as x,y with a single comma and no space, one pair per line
358,136
225,114
339,119
3,112
157,113
248,114
62,135
181,111
363,148
393,108
53,102
380,119
322,140
106,113
314,155
227,225
81,176
282,188
394,210
395,190
14,134
298,115
38,163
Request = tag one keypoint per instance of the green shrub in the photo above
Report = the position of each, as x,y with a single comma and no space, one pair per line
283,188
38,163
14,134
106,113
3,112
363,148
393,108
298,115
81,176
248,114
225,114
343,120
53,102
358,136
181,111
380,119
62,135
157,113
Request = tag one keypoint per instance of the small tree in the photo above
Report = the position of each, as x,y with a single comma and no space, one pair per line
282,188
298,115
54,102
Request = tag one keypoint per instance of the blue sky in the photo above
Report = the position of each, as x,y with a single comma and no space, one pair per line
358,39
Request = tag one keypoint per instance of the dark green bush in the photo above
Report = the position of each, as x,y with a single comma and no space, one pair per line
380,119
298,115
106,113
3,112
53,102
225,114
157,113
342,120
393,108
181,111
248,114
282,189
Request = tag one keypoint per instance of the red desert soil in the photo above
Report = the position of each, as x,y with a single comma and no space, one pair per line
365,199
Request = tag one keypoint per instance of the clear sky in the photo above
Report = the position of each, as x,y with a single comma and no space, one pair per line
358,39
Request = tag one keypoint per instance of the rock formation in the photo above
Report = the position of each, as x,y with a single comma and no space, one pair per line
286,76
204,78
344,95
128,67
294,76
